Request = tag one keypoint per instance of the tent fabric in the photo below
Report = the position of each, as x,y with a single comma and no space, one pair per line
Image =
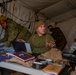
48,8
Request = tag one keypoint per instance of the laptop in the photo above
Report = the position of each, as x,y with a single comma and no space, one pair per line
21,46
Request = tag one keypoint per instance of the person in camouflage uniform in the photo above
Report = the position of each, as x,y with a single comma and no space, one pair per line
13,31
58,36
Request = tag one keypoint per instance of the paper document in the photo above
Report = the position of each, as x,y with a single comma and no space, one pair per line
28,47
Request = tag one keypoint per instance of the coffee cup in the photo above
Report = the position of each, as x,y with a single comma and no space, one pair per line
49,61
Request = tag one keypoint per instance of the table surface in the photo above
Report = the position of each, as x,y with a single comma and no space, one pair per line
20,68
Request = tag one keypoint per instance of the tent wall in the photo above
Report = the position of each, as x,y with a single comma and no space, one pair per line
21,14
69,29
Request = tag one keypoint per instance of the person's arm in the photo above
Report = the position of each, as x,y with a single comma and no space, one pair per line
12,33
30,40
24,35
20,40
51,41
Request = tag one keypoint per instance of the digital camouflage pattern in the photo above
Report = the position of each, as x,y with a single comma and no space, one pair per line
14,31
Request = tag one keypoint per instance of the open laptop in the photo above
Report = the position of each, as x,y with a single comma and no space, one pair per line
20,46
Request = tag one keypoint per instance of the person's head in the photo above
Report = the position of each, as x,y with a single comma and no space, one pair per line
40,27
3,21
50,27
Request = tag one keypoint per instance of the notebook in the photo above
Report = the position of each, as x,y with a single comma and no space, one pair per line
23,56
20,46
53,69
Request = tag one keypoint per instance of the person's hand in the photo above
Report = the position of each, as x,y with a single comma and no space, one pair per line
20,40
51,44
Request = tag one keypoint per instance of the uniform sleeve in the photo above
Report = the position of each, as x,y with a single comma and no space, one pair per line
30,40
24,34
12,33
50,38
50,41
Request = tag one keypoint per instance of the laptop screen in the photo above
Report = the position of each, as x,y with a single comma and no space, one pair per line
19,46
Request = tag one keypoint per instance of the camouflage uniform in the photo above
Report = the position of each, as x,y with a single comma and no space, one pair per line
14,31
59,37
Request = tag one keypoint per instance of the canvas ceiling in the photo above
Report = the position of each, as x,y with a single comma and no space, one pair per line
55,10
52,9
